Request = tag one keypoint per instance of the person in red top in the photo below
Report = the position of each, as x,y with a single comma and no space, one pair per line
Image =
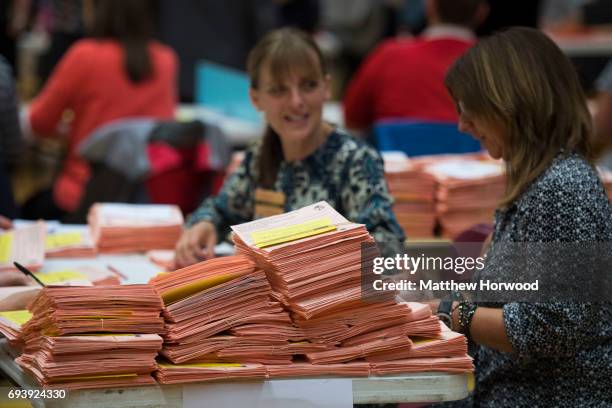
118,73
404,78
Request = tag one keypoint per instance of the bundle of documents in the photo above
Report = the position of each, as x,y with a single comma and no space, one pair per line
461,364
301,369
133,227
60,310
92,361
312,257
79,275
92,337
25,245
468,192
197,372
414,193
447,344
11,323
206,305
69,241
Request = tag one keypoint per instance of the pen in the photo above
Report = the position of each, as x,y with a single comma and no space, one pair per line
28,273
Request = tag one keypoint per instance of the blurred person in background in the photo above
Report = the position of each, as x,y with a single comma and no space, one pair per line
217,31
300,160
120,72
404,77
63,21
11,143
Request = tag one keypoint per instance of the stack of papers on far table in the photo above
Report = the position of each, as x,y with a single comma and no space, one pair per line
69,241
469,190
134,228
25,245
90,337
414,193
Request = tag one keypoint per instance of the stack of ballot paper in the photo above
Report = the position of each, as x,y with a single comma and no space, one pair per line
312,257
91,361
199,372
25,245
91,337
69,241
289,304
78,275
413,191
221,310
469,189
134,228
11,323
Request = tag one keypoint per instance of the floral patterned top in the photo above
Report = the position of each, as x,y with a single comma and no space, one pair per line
343,171
562,350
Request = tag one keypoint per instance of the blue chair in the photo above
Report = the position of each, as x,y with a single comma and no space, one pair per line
225,90
423,138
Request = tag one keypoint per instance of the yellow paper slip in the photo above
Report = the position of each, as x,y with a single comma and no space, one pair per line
19,317
6,245
182,292
63,239
280,235
60,276
96,377
202,365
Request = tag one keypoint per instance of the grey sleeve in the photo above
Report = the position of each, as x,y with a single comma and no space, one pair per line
11,141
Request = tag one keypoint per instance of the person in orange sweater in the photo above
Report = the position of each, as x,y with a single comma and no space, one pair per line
120,72
404,78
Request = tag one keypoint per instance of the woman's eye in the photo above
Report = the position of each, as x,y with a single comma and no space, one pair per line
276,90
309,85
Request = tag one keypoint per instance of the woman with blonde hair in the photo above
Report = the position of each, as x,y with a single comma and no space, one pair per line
300,160
519,95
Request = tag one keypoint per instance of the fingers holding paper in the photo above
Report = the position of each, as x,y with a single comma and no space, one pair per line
196,244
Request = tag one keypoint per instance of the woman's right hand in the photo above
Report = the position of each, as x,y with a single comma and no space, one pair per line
196,244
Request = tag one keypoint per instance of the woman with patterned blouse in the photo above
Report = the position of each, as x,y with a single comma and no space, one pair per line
300,155
520,96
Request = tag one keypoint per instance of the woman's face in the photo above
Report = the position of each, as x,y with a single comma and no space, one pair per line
292,106
491,135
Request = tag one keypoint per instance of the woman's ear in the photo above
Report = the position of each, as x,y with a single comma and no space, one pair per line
254,95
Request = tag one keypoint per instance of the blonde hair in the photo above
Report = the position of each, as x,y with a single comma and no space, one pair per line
282,52
521,80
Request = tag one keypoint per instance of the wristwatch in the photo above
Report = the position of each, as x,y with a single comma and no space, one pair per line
444,312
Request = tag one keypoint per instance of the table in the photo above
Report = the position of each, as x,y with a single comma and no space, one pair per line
418,387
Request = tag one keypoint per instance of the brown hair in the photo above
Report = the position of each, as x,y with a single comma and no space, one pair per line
281,51
522,81
129,22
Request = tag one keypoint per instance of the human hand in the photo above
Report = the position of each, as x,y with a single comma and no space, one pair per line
196,244
13,278
5,223
433,305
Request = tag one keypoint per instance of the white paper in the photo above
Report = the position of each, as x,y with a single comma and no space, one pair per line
299,393
115,214
320,209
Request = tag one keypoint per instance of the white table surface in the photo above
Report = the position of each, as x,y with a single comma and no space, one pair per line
418,387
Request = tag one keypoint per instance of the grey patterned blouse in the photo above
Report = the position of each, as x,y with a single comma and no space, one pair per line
345,172
562,350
